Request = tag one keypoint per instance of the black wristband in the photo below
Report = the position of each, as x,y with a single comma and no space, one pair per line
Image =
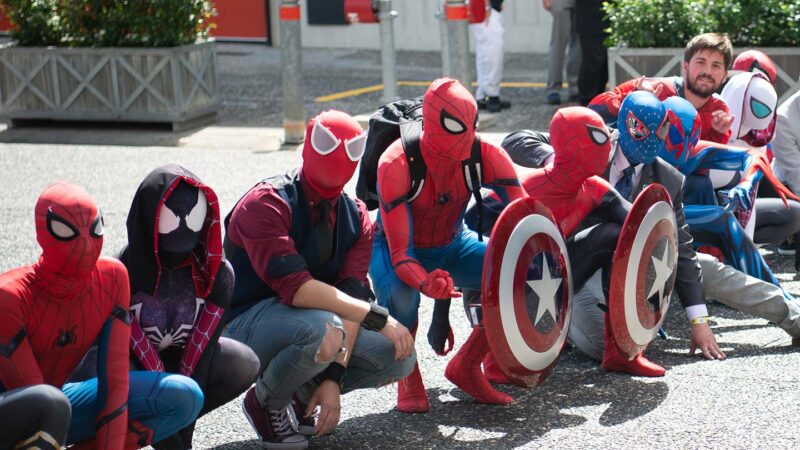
335,372
376,318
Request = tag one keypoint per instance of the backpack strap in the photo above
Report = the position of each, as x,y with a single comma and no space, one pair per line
410,132
473,178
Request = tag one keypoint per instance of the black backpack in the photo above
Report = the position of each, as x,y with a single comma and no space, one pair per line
403,118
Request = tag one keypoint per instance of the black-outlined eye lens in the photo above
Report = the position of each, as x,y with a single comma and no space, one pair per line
60,228
451,124
598,135
759,108
98,226
197,216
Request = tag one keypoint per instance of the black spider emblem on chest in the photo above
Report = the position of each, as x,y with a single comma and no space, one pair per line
66,337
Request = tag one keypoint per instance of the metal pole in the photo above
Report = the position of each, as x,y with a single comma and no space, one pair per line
292,62
388,60
458,41
443,38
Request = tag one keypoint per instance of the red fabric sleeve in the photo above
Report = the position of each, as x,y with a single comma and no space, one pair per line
477,11
18,366
356,262
499,173
611,100
260,224
394,183
706,117
112,418
143,349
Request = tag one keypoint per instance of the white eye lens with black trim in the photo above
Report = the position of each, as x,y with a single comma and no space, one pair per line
197,216
167,220
60,228
451,124
98,226
598,135
322,139
355,147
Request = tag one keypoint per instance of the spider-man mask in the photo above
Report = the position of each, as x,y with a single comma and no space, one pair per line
449,122
69,228
180,219
581,143
642,123
758,62
684,130
334,144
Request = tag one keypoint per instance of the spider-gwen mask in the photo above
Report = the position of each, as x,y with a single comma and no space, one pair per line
684,131
752,101
581,143
757,62
334,144
449,122
642,124
180,219
69,228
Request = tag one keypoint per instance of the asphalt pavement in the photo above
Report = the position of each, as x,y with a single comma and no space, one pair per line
749,400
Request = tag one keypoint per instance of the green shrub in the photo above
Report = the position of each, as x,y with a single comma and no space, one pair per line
109,23
671,23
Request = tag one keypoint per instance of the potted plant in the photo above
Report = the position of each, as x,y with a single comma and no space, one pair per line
109,60
647,37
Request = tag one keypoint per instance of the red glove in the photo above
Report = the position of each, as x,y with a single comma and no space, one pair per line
438,284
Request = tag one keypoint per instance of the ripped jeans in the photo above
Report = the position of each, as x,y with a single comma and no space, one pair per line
287,341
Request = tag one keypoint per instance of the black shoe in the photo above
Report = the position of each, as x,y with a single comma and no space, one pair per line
554,98
493,104
505,104
786,248
482,103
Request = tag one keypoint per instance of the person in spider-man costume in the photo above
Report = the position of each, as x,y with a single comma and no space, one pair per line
181,288
300,249
422,246
709,224
587,208
52,311
757,62
642,127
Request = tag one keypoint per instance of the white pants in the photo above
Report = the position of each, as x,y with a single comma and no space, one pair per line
489,54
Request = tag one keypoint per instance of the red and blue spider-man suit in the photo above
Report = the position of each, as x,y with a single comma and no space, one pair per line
585,206
709,224
423,245
54,310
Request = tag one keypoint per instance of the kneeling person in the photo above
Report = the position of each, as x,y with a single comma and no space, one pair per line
300,248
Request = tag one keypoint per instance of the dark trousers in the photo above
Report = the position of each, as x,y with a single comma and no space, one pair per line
593,73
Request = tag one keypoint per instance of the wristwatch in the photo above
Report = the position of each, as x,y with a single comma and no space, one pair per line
376,318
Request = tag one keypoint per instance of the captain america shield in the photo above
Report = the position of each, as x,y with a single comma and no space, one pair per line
526,292
644,270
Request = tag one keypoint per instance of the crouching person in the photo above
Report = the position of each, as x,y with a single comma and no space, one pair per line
300,248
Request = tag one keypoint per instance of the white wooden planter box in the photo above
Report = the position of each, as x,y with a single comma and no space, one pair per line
170,84
627,63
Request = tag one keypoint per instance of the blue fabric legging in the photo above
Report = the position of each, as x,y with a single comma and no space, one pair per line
462,258
163,402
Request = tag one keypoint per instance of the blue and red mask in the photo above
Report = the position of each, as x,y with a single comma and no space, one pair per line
642,123
684,130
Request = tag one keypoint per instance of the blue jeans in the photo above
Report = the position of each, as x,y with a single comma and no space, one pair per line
287,340
163,402
462,257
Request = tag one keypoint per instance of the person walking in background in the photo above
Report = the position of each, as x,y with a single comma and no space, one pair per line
563,37
486,22
591,23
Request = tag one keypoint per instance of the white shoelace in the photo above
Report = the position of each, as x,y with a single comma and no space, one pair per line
282,421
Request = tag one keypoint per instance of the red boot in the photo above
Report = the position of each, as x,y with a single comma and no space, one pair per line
614,361
464,370
493,371
411,395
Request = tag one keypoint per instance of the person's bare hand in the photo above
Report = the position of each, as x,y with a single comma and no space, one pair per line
721,121
703,339
399,337
327,397
643,84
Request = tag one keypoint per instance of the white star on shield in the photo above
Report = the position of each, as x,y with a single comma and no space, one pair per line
663,272
546,289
